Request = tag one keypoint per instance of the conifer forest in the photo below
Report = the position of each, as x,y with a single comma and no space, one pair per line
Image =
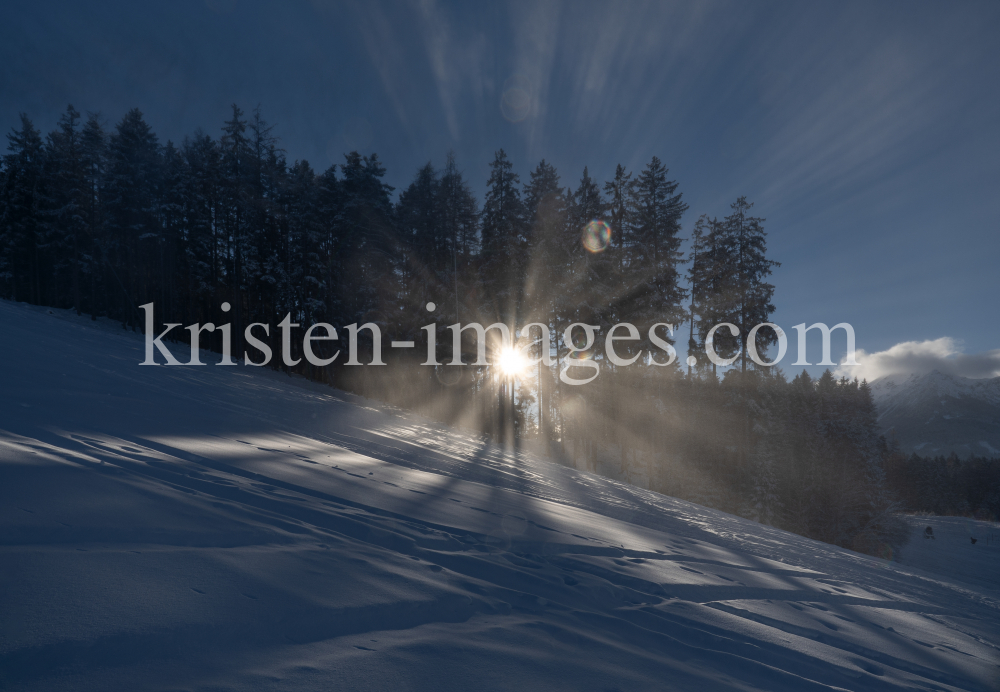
103,218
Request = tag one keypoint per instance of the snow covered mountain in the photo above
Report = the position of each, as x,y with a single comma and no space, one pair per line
229,529
937,413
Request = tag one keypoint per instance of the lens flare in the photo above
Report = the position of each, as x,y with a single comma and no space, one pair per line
596,236
515,101
511,362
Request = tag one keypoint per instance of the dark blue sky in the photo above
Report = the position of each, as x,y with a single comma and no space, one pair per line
867,134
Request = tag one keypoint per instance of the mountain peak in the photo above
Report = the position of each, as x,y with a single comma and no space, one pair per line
939,413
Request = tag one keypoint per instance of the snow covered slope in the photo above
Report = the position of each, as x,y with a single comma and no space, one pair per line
228,529
952,553
937,414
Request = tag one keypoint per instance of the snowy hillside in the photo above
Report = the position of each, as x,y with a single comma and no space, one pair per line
951,553
937,413
231,528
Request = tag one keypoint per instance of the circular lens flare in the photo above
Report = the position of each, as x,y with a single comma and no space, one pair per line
515,101
596,236
511,362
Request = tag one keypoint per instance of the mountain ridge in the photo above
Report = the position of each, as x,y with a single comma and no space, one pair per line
937,413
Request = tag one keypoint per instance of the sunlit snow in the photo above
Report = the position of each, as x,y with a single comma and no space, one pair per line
230,528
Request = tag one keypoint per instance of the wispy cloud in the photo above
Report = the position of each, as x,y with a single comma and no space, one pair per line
388,52
920,357
458,60
536,28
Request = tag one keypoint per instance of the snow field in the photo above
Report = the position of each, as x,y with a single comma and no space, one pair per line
227,529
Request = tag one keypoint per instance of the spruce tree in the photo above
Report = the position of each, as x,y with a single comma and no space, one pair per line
93,144
504,241
22,226
550,278
503,263
331,214
132,186
172,222
64,209
263,245
744,268
423,250
305,238
653,290
203,247
594,267
237,172
619,193
459,222
366,232
550,254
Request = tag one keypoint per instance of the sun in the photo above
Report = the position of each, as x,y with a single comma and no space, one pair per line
511,361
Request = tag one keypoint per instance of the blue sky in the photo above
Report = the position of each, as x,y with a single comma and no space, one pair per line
867,134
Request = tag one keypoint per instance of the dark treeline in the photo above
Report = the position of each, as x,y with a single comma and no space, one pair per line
947,485
103,220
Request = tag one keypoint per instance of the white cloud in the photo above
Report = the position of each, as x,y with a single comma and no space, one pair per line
920,357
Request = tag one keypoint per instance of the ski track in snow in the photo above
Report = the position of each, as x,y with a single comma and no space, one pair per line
229,528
